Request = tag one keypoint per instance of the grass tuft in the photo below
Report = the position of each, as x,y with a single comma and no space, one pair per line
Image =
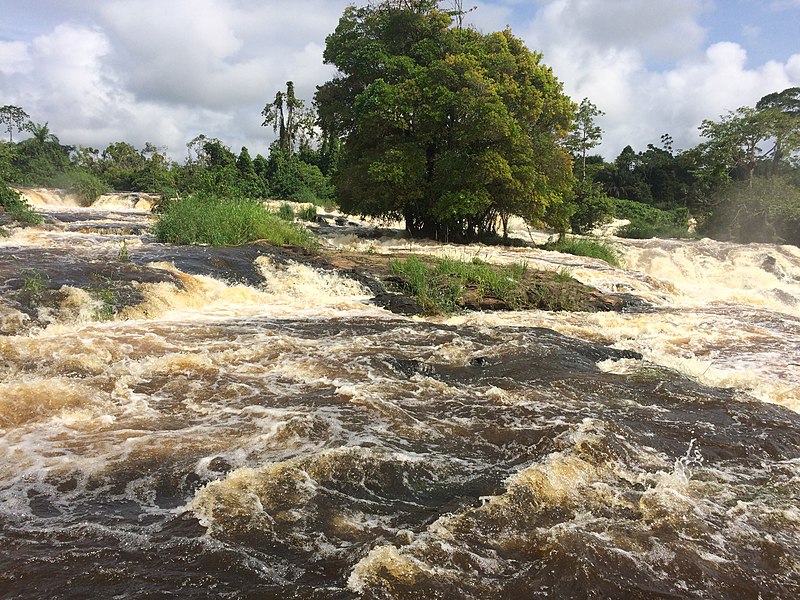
218,222
286,212
586,247
440,286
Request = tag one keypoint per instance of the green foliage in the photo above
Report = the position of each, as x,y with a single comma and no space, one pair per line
657,176
439,287
309,213
742,139
8,163
87,186
34,282
121,165
13,118
123,254
649,222
15,205
585,134
210,220
292,179
286,212
107,297
563,275
764,210
445,127
585,247
40,159
289,119
592,207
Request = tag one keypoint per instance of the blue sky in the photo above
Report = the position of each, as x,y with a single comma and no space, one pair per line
165,71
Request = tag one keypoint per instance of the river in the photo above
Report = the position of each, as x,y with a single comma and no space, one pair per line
272,434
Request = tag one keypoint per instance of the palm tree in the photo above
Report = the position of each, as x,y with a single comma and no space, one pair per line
41,133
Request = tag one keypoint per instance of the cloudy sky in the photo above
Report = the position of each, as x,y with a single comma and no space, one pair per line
164,71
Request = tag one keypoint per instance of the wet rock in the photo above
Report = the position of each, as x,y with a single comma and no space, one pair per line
399,304
410,367
219,465
12,321
770,265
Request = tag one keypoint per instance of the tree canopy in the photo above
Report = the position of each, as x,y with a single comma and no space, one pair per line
445,127
13,117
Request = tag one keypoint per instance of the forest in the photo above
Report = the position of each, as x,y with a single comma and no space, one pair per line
454,131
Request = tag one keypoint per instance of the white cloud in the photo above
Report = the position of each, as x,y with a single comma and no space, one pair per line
605,51
150,70
14,58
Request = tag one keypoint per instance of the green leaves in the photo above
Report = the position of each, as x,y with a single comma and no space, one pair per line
446,127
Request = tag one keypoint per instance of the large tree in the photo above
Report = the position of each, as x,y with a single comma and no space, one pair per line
289,119
445,127
743,138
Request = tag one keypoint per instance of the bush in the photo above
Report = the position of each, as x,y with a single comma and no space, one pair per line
585,247
292,179
592,207
765,210
86,186
15,205
309,213
217,222
648,221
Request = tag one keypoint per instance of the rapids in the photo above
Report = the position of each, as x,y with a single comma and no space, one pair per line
247,427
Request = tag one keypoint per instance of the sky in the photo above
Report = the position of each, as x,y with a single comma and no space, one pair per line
165,71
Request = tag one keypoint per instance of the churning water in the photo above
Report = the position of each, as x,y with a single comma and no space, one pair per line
273,435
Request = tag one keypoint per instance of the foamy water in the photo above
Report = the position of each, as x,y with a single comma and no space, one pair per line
271,434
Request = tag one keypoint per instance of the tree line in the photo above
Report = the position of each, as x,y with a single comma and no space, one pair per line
297,171
455,131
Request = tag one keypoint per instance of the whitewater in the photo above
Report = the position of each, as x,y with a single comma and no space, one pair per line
251,427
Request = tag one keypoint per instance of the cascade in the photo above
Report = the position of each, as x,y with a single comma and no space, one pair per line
198,421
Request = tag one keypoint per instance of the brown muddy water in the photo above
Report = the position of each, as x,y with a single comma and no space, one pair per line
271,434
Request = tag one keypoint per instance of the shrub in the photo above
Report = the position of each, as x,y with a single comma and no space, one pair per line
15,204
648,221
292,179
309,213
592,207
216,222
585,247
765,210
85,185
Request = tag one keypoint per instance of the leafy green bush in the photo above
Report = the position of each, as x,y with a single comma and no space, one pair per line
292,179
585,247
85,185
217,222
648,222
14,203
592,207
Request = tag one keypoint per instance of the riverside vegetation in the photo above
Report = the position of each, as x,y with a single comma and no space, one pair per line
404,131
